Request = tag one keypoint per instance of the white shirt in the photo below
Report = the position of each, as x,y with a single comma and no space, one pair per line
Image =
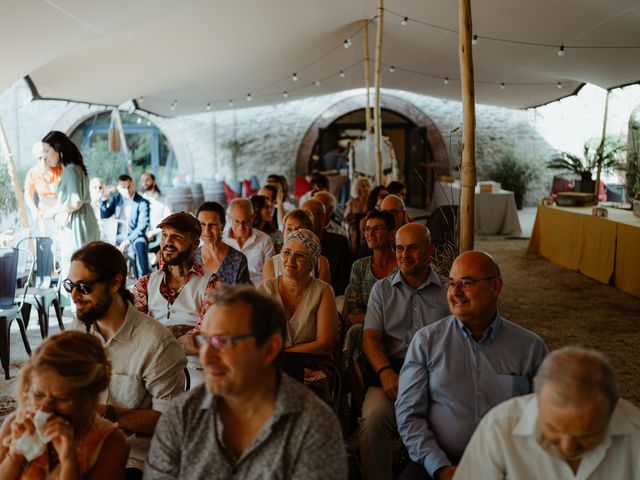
147,365
505,446
258,249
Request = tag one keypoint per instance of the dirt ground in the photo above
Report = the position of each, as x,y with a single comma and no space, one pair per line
562,306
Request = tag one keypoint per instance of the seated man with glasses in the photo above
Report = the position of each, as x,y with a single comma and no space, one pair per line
249,420
147,362
459,368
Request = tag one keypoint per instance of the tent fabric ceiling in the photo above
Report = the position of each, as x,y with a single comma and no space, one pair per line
201,52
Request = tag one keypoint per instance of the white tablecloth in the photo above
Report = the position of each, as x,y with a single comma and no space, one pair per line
495,213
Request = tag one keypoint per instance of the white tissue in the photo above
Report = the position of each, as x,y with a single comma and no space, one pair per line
32,446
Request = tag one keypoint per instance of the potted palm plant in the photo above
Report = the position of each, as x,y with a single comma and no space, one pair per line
515,175
608,158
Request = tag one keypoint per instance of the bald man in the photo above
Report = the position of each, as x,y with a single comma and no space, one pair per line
574,426
395,206
398,307
459,368
335,247
329,202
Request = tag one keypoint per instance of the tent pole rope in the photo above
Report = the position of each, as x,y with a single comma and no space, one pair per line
468,176
11,167
377,120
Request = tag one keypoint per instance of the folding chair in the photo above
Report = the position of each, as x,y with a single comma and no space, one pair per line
11,261
42,295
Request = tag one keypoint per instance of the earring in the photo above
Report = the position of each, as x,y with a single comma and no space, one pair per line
61,155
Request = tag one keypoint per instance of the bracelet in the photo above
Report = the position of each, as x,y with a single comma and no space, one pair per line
382,369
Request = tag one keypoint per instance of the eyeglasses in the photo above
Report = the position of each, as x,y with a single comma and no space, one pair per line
297,256
83,288
223,343
58,402
376,229
466,283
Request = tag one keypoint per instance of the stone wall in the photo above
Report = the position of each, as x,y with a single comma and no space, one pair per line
267,139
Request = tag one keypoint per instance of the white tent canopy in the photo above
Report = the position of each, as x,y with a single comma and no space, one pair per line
200,52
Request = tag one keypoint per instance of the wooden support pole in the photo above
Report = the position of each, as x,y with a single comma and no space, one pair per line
367,77
377,120
468,176
123,141
600,150
11,168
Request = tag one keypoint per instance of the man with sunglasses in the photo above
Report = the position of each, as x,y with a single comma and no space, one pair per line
460,367
249,420
147,363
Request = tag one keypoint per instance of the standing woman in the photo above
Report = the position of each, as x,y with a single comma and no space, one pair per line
73,211
262,220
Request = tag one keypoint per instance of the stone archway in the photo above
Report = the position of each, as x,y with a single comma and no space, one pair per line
389,102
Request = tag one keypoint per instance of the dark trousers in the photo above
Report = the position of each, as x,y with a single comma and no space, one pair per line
414,471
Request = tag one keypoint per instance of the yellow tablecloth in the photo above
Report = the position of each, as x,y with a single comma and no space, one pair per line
600,247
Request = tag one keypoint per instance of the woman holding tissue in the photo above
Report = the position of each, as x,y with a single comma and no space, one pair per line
55,432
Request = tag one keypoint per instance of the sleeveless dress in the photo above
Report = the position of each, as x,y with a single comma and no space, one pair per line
88,449
302,325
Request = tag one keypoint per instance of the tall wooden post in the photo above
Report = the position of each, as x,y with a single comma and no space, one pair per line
11,168
468,176
600,150
367,77
123,141
377,120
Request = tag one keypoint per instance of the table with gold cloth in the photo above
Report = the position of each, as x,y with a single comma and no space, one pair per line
604,248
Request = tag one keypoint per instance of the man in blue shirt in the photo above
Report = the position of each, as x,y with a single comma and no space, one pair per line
398,307
459,368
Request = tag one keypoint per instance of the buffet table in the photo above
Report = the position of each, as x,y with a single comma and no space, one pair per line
495,212
603,248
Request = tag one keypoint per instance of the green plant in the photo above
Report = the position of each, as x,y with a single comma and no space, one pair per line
8,200
608,158
633,158
515,175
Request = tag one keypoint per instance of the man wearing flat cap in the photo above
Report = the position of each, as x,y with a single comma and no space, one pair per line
176,295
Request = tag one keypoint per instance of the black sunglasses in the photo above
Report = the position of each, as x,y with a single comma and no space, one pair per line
83,288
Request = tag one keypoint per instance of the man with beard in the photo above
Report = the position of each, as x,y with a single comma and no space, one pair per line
176,295
158,209
147,362
249,420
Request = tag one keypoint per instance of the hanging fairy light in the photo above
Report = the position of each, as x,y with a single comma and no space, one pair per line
341,73
294,77
474,40
208,106
249,97
231,103
561,51
174,104
392,69
559,85
317,83
446,80
502,86
404,21
347,43
285,94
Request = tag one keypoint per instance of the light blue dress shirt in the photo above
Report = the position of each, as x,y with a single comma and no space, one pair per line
449,381
398,310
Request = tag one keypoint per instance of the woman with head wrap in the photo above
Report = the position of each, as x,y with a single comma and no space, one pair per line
310,305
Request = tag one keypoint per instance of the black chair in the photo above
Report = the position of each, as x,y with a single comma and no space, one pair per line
443,225
42,295
12,260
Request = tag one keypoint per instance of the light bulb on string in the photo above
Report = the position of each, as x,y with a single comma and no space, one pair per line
317,83
347,43
392,69
249,98
141,99
502,86
474,40
208,106
294,77
404,21
559,85
285,94
446,80
341,74
561,51
231,103
174,104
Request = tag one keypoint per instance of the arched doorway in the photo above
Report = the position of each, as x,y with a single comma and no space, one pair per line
419,147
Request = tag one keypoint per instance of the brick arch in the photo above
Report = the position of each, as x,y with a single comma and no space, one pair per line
389,102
